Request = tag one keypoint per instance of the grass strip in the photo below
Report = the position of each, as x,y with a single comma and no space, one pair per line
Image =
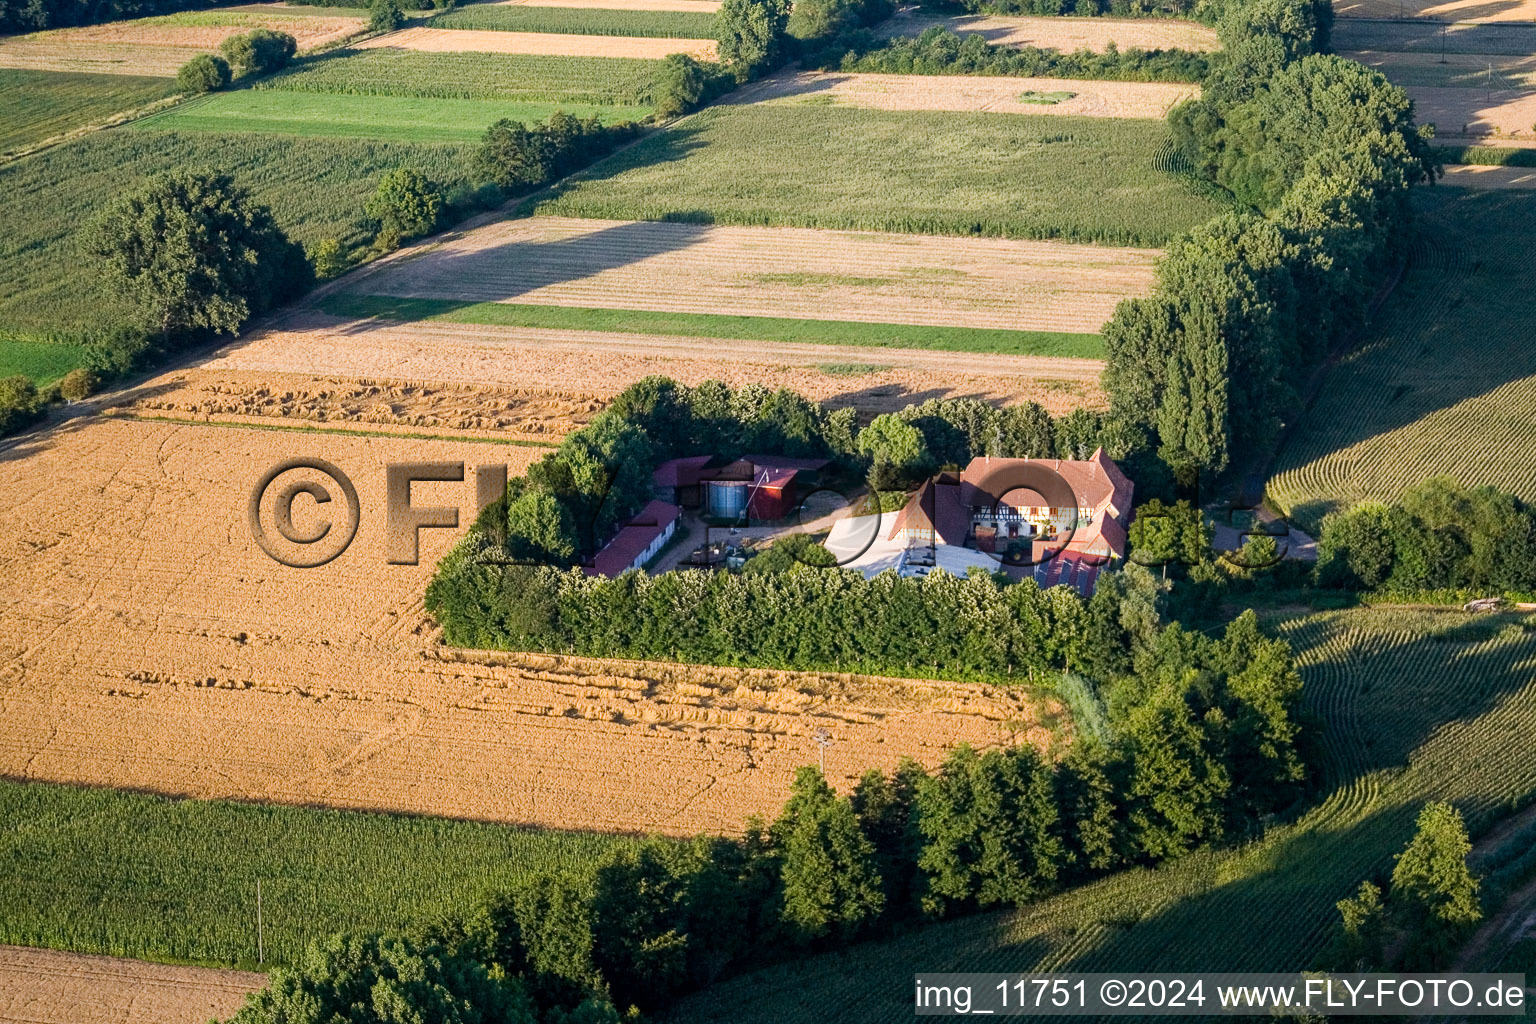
715,325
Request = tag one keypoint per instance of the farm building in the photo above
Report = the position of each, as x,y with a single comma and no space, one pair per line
763,487
1061,519
638,540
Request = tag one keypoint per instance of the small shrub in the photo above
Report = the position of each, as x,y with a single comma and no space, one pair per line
385,15
680,85
117,350
79,383
20,404
329,259
260,51
406,205
203,73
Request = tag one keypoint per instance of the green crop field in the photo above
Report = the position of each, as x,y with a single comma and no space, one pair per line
102,871
387,118
579,21
1445,381
37,105
1010,175
714,325
476,76
315,187
43,361
1416,706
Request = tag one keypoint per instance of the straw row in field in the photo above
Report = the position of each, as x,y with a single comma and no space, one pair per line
1418,399
386,118
480,76
579,21
1019,176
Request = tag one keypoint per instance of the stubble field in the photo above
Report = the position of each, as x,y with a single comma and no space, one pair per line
549,44
1066,34
158,46
773,272
967,93
41,986
148,643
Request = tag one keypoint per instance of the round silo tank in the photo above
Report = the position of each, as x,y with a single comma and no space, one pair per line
726,500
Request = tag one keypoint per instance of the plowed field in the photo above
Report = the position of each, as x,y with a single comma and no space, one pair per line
41,986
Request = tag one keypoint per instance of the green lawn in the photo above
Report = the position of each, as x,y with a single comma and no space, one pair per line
579,21
1010,175
712,325
37,105
315,187
100,871
43,361
479,76
1416,706
387,118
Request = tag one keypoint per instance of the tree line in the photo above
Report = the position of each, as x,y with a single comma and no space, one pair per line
1319,153
940,51
1202,742
1439,536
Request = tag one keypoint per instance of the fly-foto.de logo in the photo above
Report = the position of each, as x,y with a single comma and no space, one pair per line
304,512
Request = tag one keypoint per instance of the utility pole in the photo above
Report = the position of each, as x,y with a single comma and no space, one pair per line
823,740
261,952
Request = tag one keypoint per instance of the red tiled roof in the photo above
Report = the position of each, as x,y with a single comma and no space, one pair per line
634,537
682,472
936,506
784,462
1096,481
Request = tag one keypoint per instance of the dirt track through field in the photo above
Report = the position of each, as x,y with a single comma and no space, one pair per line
784,272
873,380
154,47
1482,176
990,93
1068,34
147,642
43,986
689,6
551,44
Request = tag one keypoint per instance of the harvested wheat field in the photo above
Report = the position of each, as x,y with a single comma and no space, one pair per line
359,404
1438,10
1484,176
1461,70
992,93
159,46
1067,34
546,44
782,272
44,986
149,643
686,6
1476,113
871,380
